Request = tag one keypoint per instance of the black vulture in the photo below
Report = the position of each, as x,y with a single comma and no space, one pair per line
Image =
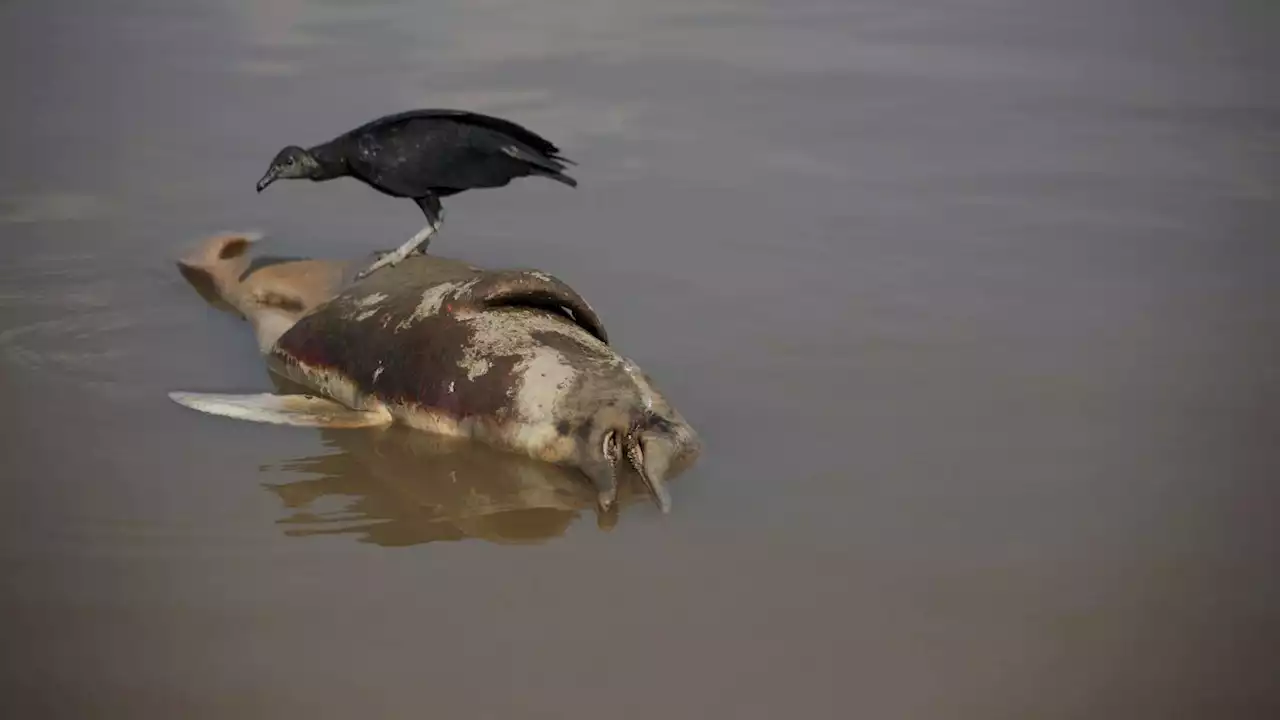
425,155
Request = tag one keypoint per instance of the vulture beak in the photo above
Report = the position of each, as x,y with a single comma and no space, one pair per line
267,179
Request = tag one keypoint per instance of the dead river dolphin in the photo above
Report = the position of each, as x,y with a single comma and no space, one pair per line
515,359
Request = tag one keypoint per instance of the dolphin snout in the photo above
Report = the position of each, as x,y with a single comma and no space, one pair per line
650,454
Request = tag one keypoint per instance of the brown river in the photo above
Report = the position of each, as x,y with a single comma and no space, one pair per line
975,304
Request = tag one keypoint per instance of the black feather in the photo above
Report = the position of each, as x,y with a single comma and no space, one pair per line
440,152
466,117
426,155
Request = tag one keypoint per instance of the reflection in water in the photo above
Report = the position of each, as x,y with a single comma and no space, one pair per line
412,487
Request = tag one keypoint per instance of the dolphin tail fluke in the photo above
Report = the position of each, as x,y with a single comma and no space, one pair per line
297,410
214,266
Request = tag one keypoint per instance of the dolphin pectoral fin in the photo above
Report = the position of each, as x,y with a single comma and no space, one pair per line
297,410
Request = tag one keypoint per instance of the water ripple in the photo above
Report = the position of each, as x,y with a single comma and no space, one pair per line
48,207
63,315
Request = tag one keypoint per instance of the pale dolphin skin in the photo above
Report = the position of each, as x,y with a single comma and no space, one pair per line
271,294
515,359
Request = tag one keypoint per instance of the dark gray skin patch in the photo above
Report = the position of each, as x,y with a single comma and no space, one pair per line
261,261
585,432
421,364
563,344
401,358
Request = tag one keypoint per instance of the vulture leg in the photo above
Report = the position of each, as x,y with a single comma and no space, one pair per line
430,205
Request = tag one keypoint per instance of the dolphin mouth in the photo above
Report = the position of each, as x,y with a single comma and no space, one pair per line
650,456
659,492
266,180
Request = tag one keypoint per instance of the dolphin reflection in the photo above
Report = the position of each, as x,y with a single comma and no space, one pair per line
406,488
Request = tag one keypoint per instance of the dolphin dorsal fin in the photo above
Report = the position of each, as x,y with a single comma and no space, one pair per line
534,288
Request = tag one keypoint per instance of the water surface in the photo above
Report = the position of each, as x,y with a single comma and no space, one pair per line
974,304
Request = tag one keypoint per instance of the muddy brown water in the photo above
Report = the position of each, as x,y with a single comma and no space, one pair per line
974,304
